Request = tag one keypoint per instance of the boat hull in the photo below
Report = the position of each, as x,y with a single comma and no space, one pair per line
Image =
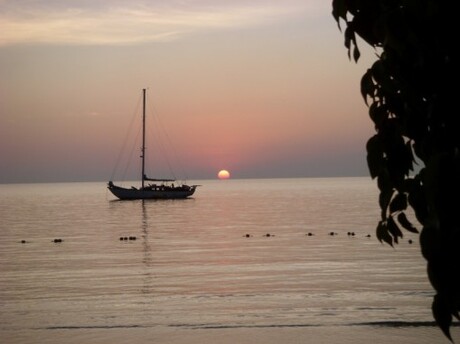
133,193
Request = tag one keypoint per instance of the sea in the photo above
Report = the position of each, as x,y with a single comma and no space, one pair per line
268,260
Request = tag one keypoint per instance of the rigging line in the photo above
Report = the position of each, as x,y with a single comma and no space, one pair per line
131,154
156,117
163,150
125,141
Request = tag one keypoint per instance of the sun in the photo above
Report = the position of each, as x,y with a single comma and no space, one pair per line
223,174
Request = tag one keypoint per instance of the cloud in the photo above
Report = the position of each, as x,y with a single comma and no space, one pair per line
112,22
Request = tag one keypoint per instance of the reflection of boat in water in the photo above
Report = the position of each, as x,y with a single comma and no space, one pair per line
159,188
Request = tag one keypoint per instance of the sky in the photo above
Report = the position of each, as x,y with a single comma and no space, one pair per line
263,89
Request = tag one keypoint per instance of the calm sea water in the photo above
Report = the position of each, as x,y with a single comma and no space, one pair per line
206,262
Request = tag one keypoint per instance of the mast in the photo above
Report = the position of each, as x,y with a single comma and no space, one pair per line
143,137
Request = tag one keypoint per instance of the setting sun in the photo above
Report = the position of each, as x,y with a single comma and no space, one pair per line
223,174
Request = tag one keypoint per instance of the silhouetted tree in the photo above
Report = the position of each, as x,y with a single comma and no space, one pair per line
412,98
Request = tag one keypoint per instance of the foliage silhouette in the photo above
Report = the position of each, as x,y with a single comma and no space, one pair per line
413,103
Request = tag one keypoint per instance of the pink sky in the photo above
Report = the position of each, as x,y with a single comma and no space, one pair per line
260,88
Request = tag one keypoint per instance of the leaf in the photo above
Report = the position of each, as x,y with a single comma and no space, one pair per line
404,222
339,10
442,315
375,156
383,181
456,315
378,71
378,113
384,200
349,37
356,53
399,161
382,234
417,199
398,203
367,86
430,246
394,229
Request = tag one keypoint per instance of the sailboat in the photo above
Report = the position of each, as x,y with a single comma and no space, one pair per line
151,188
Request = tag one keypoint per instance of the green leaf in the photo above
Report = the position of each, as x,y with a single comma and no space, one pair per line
405,223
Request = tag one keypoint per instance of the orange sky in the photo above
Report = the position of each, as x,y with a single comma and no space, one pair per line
260,88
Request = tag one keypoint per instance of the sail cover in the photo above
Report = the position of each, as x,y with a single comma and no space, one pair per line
158,179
